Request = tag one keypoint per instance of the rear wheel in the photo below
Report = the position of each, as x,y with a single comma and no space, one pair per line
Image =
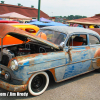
38,83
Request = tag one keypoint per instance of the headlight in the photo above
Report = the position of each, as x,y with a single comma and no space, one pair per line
14,65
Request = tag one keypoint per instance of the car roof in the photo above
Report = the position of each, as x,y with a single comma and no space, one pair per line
69,30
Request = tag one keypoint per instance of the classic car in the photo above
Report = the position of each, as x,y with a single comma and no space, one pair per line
9,40
59,52
8,21
26,27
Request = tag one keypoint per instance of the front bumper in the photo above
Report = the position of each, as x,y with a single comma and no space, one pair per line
11,87
14,84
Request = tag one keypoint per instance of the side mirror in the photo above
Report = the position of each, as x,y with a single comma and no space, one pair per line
62,45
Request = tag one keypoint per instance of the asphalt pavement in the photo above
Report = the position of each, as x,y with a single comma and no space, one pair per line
84,87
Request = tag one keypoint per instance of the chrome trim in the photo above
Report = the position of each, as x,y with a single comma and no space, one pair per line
16,64
63,65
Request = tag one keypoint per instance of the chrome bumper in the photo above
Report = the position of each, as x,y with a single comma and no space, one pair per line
11,87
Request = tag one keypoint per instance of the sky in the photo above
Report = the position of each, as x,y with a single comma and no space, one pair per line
62,7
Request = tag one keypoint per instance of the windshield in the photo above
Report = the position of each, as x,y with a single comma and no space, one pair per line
52,36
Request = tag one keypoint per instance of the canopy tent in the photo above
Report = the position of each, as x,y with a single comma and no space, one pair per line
38,23
42,20
55,24
14,15
95,20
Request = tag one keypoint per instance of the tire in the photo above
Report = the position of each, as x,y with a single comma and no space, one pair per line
38,83
98,70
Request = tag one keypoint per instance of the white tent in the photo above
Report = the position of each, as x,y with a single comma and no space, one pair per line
14,15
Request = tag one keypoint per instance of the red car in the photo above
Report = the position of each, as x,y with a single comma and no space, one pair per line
8,21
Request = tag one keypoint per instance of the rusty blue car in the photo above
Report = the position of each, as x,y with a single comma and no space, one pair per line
58,51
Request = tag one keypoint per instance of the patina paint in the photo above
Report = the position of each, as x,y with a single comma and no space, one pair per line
14,88
38,62
80,56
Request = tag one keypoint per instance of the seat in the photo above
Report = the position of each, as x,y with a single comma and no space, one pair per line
42,35
78,41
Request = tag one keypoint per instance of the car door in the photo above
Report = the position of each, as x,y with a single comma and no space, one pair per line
79,56
94,43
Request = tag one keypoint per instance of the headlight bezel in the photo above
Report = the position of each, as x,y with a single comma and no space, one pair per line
14,64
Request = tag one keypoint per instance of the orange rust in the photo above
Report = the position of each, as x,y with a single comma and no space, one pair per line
7,86
29,78
93,48
14,88
90,66
75,51
87,48
53,73
66,53
70,56
45,53
3,72
98,62
97,54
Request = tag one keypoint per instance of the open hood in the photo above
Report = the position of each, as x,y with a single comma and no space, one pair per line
22,35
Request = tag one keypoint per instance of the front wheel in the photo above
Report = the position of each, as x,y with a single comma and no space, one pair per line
38,83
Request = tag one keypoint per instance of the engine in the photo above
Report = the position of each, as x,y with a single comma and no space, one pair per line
23,49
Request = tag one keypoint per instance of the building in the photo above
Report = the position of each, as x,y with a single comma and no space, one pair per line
26,11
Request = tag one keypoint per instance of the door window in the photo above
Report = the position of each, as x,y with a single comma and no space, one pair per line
93,40
77,40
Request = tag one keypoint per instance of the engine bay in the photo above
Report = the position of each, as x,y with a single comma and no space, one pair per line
30,47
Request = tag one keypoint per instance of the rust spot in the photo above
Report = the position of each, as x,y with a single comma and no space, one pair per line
29,78
75,51
23,87
87,48
66,53
45,53
98,62
10,87
70,56
53,73
7,86
97,54
3,72
90,66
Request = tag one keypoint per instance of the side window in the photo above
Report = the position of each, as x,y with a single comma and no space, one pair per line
93,40
77,40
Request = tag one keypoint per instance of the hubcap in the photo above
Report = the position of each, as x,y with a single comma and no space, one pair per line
37,82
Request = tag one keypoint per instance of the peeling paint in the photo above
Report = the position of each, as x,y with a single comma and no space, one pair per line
10,87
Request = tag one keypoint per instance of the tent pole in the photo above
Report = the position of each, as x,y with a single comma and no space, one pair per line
39,10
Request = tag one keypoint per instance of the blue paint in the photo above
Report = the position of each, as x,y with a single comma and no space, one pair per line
75,69
26,63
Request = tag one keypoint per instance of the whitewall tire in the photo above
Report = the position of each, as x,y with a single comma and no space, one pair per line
38,83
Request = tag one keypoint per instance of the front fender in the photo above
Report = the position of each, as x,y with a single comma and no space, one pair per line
33,63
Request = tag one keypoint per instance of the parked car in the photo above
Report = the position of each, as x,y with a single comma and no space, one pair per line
26,27
58,51
8,21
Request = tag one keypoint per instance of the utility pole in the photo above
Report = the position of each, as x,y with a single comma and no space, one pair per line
39,10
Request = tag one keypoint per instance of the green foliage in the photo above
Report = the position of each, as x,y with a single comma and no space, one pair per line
75,17
71,17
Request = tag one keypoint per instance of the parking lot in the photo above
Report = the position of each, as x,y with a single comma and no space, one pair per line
84,87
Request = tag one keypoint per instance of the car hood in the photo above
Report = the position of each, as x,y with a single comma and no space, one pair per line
22,35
